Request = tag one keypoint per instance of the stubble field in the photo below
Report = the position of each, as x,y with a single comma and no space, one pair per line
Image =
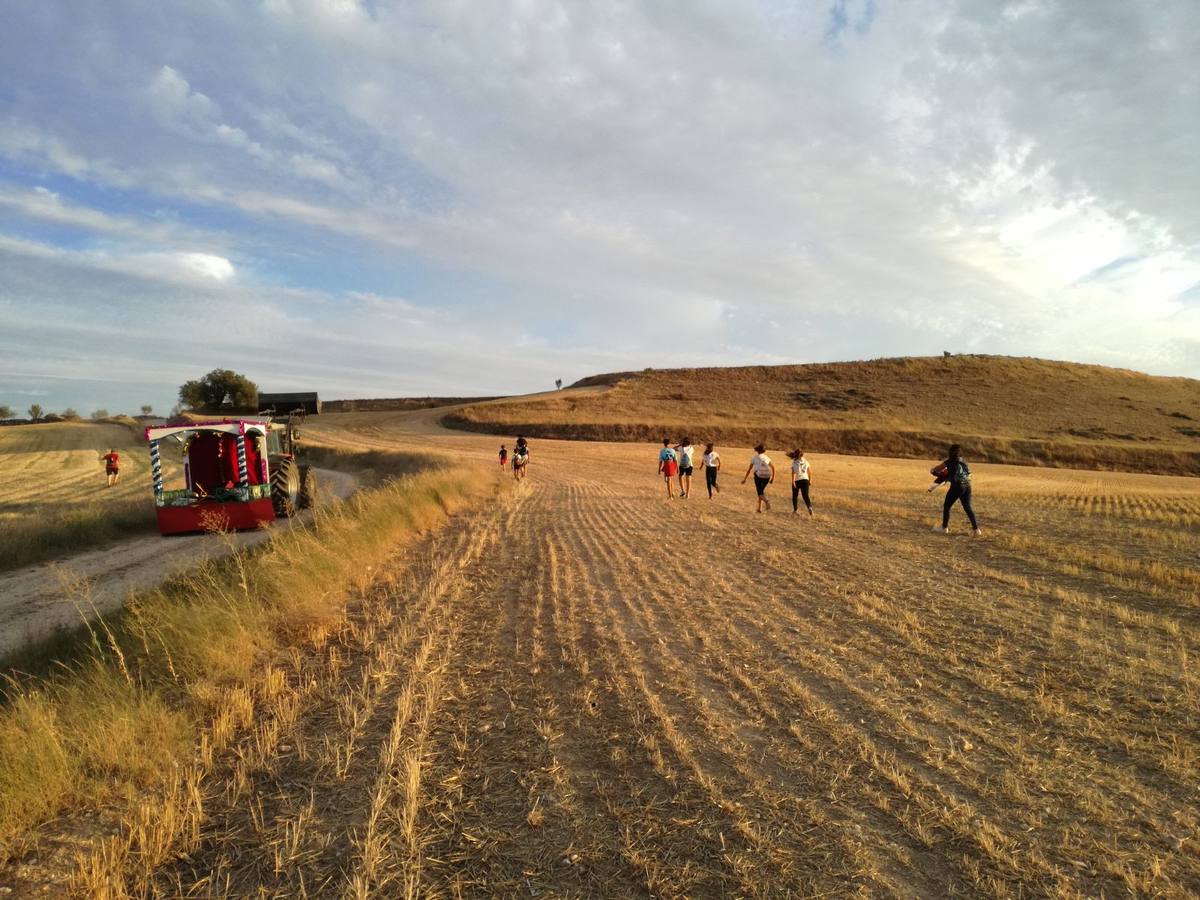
586,690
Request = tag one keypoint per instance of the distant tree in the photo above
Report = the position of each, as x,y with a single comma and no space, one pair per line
100,414
70,413
35,411
176,411
6,412
147,410
558,383
219,388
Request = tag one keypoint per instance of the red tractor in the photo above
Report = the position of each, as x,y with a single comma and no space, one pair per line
237,473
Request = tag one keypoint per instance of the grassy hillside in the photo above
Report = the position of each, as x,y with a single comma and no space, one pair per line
1025,411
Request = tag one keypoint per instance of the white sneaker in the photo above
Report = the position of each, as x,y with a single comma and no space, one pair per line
940,530
977,533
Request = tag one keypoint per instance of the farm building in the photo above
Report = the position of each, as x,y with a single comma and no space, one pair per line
286,402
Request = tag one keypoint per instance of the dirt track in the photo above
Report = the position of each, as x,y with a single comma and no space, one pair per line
585,690
38,600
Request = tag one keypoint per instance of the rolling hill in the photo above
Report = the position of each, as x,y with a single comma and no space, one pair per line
1001,409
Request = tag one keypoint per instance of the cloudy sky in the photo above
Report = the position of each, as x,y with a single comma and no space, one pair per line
376,198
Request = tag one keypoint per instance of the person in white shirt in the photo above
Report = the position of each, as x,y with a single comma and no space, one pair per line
801,476
712,465
764,474
686,451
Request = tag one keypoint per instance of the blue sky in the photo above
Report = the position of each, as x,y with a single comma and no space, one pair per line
383,199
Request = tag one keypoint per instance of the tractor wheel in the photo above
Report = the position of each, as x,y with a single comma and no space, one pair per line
308,487
285,487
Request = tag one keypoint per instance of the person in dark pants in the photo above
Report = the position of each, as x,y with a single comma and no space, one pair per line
955,471
764,473
801,476
712,467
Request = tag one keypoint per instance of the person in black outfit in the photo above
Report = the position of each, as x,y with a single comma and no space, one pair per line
955,471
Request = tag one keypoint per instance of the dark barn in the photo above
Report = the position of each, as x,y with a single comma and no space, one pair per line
286,402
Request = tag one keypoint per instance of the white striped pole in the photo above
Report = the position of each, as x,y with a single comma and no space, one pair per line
243,474
156,467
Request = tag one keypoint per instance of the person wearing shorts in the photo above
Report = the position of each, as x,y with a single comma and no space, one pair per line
801,476
764,473
685,451
668,466
112,466
503,457
712,466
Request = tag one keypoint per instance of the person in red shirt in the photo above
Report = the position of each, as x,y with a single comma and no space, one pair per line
112,466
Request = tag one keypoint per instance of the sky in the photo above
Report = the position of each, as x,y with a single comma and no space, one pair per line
371,198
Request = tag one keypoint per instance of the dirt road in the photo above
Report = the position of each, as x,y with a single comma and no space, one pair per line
38,600
586,690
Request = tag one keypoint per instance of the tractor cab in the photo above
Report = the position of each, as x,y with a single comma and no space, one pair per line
237,474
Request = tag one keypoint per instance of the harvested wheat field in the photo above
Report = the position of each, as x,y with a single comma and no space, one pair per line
581,689
59,464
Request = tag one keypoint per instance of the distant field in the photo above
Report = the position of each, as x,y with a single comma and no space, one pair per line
1023,411
53,496
394,404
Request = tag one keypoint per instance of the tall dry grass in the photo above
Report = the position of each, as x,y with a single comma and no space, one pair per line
114,724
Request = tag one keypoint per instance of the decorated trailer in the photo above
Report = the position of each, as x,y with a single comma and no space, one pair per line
237,474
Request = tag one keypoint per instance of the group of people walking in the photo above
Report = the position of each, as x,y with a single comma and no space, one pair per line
676,464
520,457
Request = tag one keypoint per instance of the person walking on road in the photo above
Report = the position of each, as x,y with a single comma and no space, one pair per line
520,458
712,466
668,466
801,476
686,451
955,471
764,474
112,466
503,457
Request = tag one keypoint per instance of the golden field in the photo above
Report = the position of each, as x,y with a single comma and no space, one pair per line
54,498
1023,411
578,688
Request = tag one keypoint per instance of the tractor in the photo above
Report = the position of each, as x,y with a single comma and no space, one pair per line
237,474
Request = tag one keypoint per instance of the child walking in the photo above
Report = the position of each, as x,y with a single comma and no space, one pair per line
712,466
801,476
686,451
764,474
503,457
668,465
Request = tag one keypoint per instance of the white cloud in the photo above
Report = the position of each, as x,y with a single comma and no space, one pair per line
880,179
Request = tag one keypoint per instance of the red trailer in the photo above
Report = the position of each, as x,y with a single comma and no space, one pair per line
237,474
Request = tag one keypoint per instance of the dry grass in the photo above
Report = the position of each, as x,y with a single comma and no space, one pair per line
1022,411
180,674
584,690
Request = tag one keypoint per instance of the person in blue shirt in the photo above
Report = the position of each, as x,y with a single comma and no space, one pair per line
668,465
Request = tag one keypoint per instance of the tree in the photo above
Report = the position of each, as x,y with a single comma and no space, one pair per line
35,411
100,414
147,410
558,383
70,413
5,412
220,388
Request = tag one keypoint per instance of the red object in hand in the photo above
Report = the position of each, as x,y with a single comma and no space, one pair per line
940,472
